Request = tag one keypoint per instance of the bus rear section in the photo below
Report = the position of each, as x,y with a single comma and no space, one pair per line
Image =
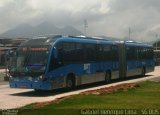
135,59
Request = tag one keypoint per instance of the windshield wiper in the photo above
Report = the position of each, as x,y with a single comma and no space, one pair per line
33,65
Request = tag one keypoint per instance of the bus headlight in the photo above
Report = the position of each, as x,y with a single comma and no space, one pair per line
30,78
10,77
40,77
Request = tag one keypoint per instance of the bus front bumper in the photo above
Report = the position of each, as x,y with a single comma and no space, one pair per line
31,85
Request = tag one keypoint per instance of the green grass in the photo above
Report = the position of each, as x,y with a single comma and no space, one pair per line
2,76
147,96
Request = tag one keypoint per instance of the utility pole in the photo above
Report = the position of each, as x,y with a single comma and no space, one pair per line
85,27
157,41
129,33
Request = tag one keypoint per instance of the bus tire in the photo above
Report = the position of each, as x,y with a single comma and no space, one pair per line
143,71
39,90
70,82
108,77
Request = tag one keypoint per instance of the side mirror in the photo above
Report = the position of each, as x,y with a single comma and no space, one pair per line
12,53
55,53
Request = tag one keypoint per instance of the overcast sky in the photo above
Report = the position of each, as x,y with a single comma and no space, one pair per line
104,17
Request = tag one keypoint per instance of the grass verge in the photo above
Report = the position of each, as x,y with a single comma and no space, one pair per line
146,96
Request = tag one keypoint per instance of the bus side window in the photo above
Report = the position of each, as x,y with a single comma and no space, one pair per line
114,53
60,54
141,53
89,52
107,52
151,53
79,53
56,62
131,53
128,53
68,52
99,53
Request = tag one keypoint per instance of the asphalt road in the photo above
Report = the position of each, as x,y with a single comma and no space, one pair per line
14,98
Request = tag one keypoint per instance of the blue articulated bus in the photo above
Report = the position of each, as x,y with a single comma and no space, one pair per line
46,63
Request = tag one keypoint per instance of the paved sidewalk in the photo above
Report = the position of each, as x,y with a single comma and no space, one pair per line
2,77
2,70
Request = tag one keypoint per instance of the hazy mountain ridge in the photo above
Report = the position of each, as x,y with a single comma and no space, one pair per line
45,28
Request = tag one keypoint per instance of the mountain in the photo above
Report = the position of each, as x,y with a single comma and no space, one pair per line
19,31
70,31
45,28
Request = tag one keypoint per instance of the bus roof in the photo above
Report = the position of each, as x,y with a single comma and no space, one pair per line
84,39
130,43
53,39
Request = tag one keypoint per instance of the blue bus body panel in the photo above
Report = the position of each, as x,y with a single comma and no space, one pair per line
79,69
30,84
139,64
58,75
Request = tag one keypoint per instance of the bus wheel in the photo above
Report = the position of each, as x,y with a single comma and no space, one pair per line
143,71
70,83
107,76
39,90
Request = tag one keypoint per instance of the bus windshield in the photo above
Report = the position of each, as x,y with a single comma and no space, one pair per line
31,60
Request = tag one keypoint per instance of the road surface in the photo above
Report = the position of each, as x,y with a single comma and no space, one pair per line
15,98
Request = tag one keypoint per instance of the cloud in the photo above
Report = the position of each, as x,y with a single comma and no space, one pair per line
140,15
60,12
104,17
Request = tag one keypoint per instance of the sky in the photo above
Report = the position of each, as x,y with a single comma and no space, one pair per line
104,17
